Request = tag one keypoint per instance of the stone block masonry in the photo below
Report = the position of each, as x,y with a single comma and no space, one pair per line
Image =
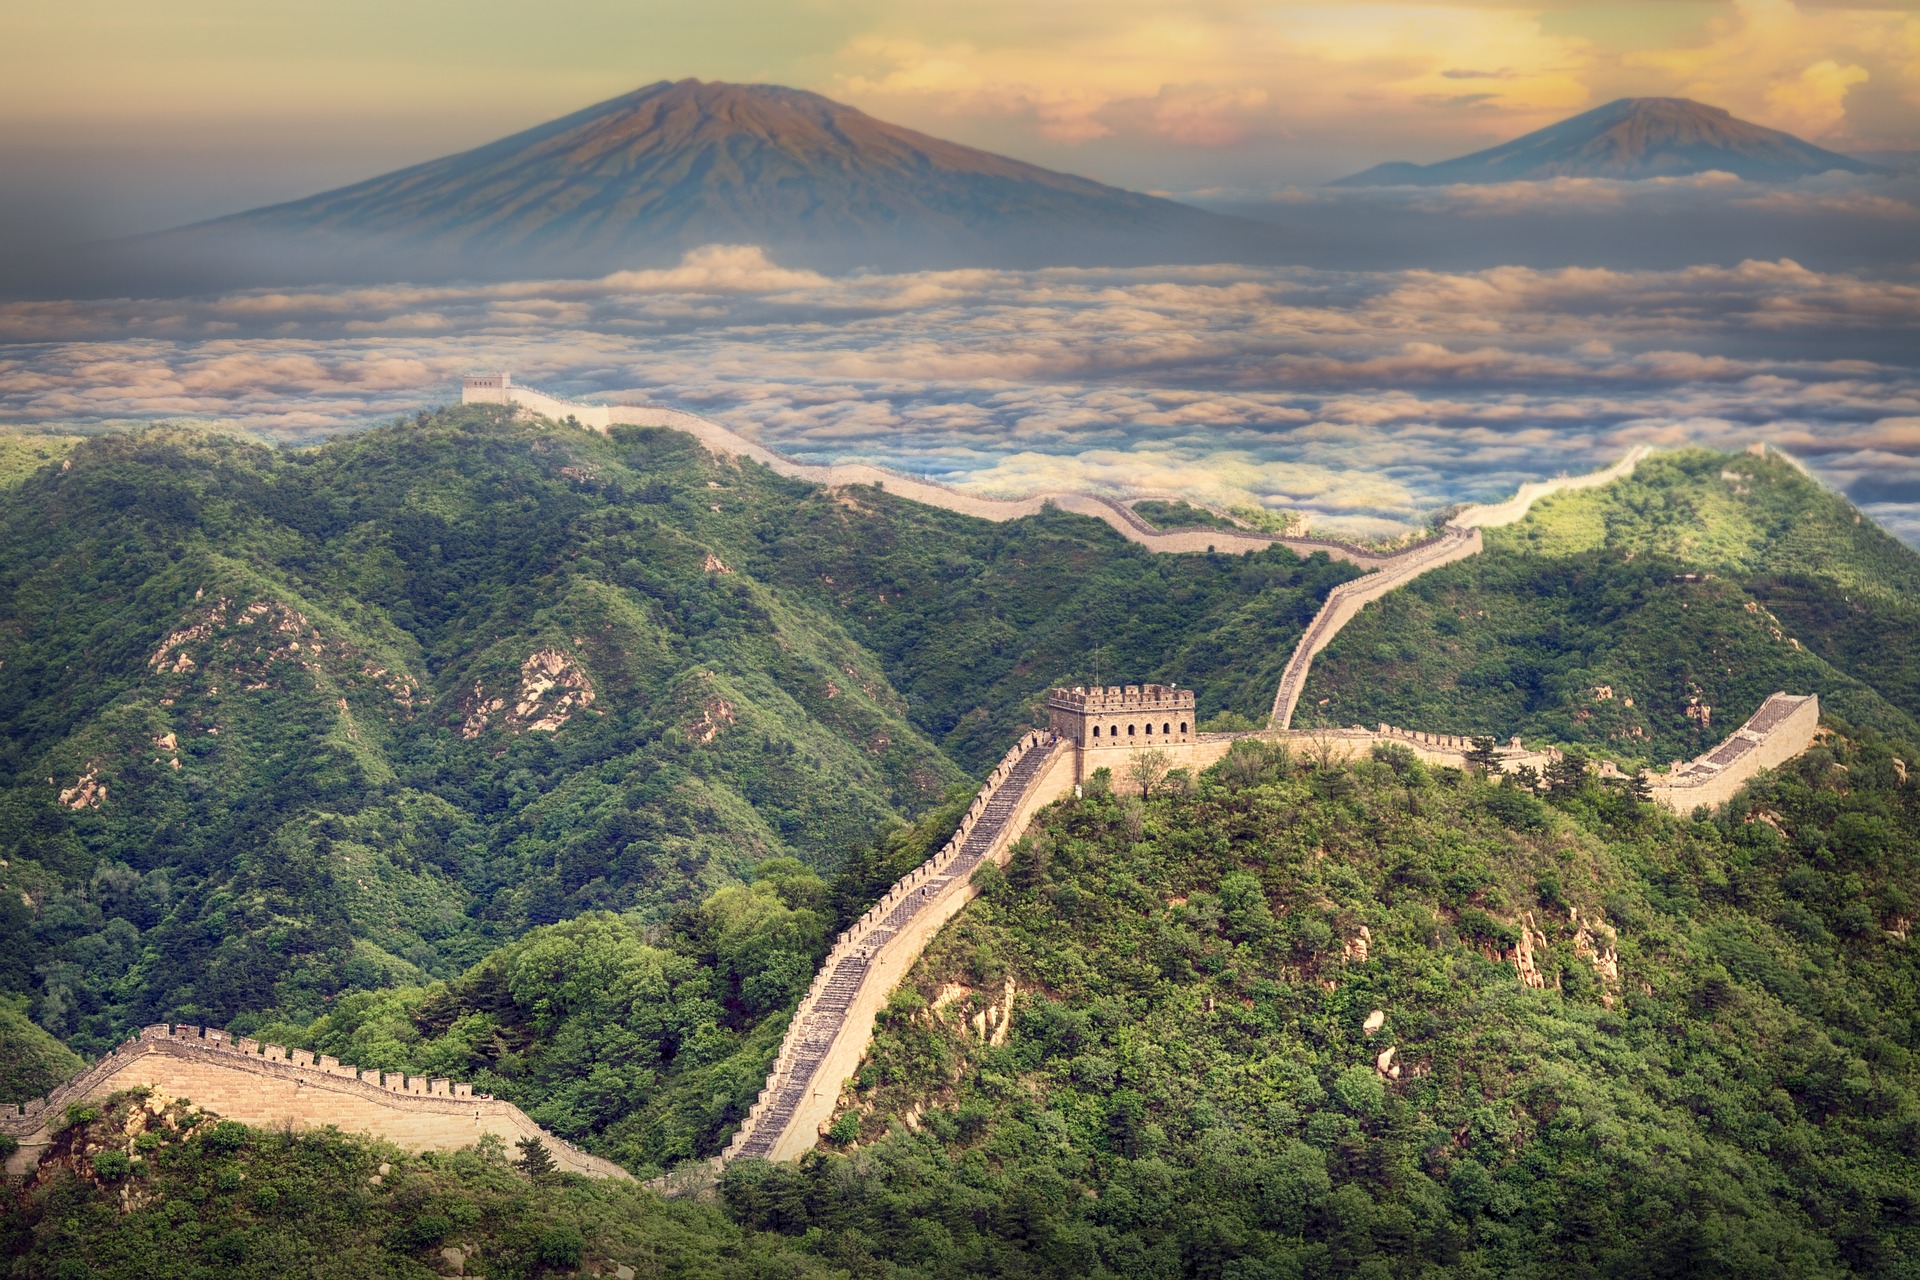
1781,729
832,1027
271,1087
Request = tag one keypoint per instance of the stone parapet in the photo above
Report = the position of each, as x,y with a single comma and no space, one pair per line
834,1021
270,1086
1781,729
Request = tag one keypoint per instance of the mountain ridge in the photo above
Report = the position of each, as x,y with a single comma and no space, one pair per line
1628,138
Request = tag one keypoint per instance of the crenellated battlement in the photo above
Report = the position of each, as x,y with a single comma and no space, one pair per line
1132,697
272,1086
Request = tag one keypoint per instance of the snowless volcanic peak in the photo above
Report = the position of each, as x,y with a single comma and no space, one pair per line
645,176
1630,138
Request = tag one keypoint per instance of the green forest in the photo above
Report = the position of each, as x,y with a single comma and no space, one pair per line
1714,1075
553,760
1610,617
356,716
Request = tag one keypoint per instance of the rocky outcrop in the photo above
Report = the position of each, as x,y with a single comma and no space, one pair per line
553,688
87,791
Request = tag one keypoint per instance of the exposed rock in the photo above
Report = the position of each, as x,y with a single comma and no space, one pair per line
1355,948
453,1261
713,563
1523,961
88,792
552,688
714,717
1383,1063
167,742
1596,942
1375,1020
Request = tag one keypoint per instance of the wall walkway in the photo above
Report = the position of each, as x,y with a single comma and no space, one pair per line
834,1023
725,441
271,1087
1781,729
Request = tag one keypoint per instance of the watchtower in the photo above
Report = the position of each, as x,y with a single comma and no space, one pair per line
1119,719
486,388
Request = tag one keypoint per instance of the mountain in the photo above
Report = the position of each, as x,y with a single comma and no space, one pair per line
360,715
1699,559
506,750
640,178
1296,1019
1629,138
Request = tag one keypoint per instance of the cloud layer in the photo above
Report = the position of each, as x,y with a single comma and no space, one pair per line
1366,399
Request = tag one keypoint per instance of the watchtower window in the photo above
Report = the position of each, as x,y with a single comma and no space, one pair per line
1096,731
1149,728
1166,728
1183,726
1129,731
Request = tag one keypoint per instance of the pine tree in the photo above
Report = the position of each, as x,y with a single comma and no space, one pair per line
1638,786
1484,755
1566,775
535,1160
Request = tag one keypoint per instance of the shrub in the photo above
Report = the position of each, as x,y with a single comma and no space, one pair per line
112,1165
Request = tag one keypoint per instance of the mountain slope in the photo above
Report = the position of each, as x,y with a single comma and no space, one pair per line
277,724
643,177
1629,138
1646,618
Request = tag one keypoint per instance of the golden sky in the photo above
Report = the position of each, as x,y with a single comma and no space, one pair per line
1118,83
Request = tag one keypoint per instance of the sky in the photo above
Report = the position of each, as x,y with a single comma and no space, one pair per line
120,115
1521,331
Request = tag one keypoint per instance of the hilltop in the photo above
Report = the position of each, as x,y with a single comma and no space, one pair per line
641,178
1629,138
1645,619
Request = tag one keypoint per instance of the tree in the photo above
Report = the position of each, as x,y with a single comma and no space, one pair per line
1483,757
1638,787
1567,775
535,1160
1146,769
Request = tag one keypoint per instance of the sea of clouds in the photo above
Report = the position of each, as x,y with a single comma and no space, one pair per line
1367,399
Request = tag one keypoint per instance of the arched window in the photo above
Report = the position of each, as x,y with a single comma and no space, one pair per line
1166,728
1149,728
1096,731
1183,726
1129,731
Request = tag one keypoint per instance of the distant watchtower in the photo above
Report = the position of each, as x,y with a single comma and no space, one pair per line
486,388
1120,719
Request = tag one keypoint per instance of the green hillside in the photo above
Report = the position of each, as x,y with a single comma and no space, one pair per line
1715,1077
357,716
1715,1074
1705,580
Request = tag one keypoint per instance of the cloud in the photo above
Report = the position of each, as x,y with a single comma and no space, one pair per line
1364,399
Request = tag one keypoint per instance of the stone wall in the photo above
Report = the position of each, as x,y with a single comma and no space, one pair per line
1345,601
725,442
271,1087
1781,729
1514,509
833,1025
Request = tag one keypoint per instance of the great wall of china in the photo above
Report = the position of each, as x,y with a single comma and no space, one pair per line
274,1087
830,1030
